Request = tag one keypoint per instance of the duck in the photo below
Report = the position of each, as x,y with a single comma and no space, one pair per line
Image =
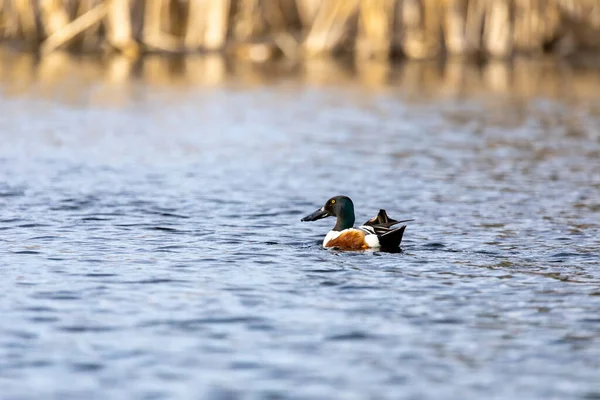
373,234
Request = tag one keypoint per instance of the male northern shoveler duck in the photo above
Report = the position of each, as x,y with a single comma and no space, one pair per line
375,233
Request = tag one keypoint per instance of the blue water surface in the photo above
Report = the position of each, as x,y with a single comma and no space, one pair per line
153,249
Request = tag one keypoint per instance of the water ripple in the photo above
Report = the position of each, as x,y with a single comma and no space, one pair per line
156,250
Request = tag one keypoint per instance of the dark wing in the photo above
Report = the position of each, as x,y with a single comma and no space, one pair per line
381,224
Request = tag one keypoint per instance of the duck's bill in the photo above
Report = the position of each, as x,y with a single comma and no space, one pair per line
320,213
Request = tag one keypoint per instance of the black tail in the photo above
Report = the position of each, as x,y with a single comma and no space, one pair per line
382,219
392,239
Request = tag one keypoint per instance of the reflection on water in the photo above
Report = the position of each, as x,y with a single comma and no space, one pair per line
111,80
152,247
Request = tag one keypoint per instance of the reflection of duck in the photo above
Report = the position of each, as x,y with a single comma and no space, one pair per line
375,233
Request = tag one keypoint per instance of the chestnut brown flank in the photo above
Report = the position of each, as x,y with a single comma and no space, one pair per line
353,239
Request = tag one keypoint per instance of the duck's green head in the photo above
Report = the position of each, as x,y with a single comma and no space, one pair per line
338,206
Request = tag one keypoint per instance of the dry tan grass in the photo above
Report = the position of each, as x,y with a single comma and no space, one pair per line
261,29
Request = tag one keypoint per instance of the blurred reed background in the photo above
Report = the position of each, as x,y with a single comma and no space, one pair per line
264,29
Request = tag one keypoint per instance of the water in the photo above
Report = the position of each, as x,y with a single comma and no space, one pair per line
151,247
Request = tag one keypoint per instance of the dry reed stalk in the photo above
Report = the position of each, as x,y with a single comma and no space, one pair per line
11,21
90,37
594,14
329,26
433,27
207,24
153,34
497,27
275,18
54,15
152,29
26,20
573,13
476,10
175,19
455,21
288,45
374,29
151,22
497,35
524,30
7,26
217,26
536,23
2,17
119,32
252,22
279,18
164,17
552,23
307,11
68,32
412,22
196,24
248,20
282,15
4,26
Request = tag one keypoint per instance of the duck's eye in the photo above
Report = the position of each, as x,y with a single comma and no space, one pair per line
332,201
